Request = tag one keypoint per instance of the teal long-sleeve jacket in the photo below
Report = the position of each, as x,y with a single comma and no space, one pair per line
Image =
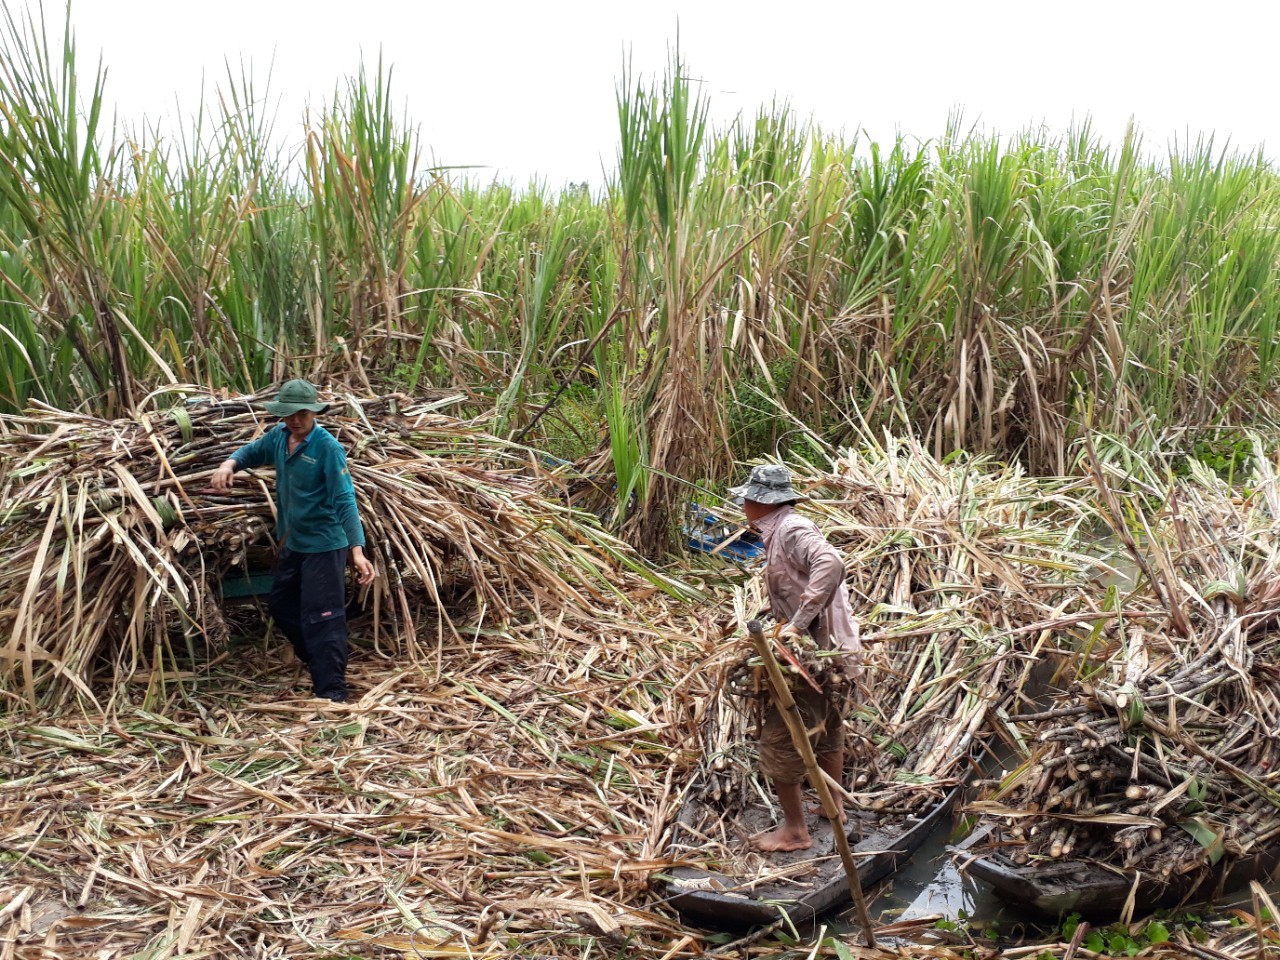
315,501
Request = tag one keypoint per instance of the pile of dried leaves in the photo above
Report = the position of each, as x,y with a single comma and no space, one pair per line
116,544
515,801
513,795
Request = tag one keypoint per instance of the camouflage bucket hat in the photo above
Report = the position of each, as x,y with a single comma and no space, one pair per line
294,396
769,483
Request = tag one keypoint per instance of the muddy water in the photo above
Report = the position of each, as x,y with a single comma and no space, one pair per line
931,885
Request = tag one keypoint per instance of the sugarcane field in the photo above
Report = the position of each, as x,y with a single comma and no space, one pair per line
793,545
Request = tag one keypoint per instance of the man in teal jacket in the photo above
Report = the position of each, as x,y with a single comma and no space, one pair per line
317,527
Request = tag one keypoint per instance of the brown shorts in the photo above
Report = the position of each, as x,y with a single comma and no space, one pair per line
823,719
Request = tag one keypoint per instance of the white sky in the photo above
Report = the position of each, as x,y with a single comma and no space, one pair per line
528,88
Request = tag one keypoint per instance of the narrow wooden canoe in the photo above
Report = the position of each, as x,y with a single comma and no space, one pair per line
761,888
1059,887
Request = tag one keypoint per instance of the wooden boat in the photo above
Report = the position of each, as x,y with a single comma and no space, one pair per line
758,889
906,767
907,753
1058,887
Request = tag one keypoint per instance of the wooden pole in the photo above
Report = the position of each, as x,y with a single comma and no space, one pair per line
795,724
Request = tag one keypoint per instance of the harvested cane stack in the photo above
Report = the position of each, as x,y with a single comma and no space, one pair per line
115,541
803,663
951,562
1160,759
946,564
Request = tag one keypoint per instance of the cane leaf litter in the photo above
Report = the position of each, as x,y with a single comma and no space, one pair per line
507,776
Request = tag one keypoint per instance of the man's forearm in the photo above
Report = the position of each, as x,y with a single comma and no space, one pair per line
352,527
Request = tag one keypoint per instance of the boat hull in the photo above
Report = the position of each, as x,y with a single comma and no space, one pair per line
1065,887
816,880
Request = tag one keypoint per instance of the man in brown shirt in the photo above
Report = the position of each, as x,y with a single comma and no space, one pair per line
805,578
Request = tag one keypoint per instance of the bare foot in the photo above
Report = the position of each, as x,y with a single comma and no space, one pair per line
817,808
781,839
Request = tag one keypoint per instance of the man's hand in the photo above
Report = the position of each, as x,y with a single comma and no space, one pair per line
364,569
796,638
789,631
224,476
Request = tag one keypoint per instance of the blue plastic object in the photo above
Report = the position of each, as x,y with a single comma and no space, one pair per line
707,532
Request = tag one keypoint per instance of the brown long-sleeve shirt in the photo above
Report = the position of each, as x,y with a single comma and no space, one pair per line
805,578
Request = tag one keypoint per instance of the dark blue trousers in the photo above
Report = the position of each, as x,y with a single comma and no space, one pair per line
308,603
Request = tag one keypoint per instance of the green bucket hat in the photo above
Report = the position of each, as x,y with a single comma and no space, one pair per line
295,395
